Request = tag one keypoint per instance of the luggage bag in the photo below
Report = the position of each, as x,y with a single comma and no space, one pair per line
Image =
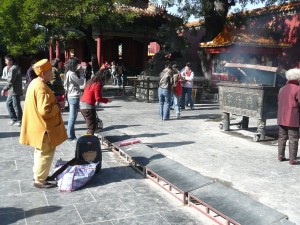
88,148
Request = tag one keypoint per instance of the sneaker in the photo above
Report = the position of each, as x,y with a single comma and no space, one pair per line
11,123
17,124
178,116
72,140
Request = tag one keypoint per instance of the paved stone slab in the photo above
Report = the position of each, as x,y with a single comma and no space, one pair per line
25,201
148,203
53,215
179,175
284,222
12,217
151,219
113,136
57,198
237,205
103,210
142,153
9,175
9,188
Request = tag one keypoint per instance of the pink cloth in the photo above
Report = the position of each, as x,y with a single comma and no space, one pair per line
124,143
288,105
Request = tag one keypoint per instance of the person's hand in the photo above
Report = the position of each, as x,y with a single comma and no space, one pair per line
3,92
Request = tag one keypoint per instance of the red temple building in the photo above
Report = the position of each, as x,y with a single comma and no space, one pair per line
131,45
271,37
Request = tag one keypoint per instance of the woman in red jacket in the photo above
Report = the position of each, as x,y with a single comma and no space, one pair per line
92,94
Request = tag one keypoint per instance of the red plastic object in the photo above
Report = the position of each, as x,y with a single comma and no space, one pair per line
124,143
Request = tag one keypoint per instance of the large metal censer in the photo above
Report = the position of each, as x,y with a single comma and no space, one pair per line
253,95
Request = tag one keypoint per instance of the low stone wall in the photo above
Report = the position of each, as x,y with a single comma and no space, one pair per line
147,88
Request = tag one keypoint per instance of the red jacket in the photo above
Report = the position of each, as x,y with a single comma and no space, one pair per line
288,105
93,93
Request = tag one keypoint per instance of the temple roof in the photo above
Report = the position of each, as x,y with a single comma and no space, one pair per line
151,11
275,9
242,38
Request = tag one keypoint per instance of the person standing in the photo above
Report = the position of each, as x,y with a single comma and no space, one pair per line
42,125
187,86
92,94
13,90
113,71
4,73
30,74
176,90
56,84
164,93
72,84
288,116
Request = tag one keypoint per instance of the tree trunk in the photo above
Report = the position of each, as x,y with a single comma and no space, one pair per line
214,24
205,60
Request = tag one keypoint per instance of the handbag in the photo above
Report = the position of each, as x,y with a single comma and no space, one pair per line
178,90
74,174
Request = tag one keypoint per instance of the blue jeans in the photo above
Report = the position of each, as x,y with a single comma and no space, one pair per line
188,92
13,105
176,104
164,97
73,111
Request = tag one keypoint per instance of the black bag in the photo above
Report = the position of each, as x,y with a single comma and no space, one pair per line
88,148
99,125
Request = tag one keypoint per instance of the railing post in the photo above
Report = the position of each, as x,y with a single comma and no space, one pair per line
148,89
134,87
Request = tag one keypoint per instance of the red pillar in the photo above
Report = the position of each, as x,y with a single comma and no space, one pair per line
57,55
50,50
66,56
99,51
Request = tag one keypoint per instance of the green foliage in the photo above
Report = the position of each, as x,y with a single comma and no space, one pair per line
27,25
19,31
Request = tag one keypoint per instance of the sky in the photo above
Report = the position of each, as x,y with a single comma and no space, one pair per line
249,6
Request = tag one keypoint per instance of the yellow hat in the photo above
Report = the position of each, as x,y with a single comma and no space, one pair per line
42,66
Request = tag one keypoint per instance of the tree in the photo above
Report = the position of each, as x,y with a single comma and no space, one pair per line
28,25
19,30
214,14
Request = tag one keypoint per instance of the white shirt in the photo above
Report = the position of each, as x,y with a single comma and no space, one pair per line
4,74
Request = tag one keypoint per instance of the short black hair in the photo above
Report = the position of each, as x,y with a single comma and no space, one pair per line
10,57
55,62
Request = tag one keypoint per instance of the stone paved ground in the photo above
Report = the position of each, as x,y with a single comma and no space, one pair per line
232,158
194,141
116,196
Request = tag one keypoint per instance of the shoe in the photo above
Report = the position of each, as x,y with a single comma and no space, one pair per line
11,123
72,139
17,124
44,185
294,162
282,159
178,116
193,108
